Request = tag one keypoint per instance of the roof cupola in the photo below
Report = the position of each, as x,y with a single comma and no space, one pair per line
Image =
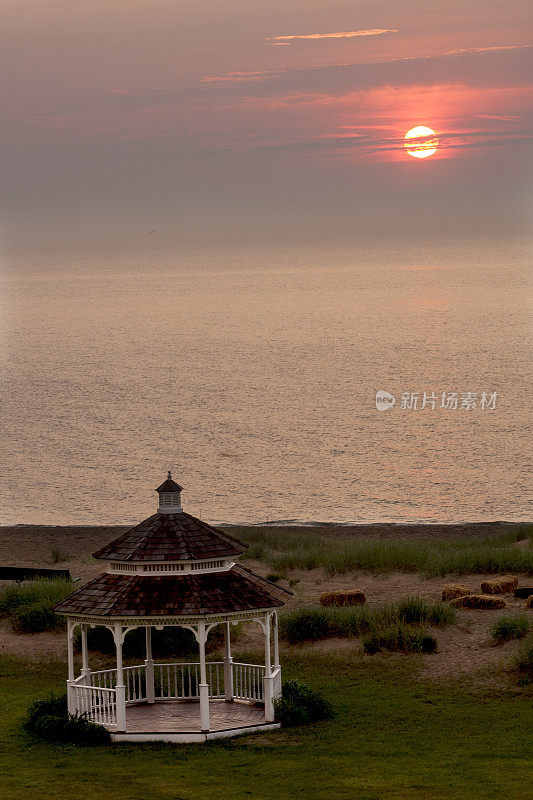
169,496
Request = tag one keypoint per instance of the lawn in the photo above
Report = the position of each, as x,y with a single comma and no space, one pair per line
393,737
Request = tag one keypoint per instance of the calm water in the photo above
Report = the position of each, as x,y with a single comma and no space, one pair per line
253,374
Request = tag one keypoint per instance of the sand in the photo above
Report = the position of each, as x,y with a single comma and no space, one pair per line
464,650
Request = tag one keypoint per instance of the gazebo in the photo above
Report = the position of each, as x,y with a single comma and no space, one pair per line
175,570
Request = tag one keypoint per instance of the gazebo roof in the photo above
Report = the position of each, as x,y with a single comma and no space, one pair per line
171,537
115,596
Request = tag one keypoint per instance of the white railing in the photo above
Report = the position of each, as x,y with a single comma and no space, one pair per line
104,679
176,681
181,681
97,704
248,681
276,683
135,683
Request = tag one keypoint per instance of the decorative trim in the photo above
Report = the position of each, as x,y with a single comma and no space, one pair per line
138,622
149,568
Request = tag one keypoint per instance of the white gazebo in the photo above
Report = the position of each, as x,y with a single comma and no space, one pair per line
175,570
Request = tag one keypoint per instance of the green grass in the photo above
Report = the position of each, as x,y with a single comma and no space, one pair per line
509,627
286,551
29,605
399,638
392,738
312,623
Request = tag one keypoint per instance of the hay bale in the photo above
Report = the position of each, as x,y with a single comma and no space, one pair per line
351,597
529,601
485,601
505,585
452,590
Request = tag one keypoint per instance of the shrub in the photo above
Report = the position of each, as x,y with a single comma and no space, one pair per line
305,625
50,720
48,592
523,662
413,610
35,618
506,628
29,605
399,638
274,577
57,556
301,705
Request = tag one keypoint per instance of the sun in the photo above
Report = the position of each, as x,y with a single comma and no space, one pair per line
421,141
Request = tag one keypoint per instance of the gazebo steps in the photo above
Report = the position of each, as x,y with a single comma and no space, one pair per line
180,722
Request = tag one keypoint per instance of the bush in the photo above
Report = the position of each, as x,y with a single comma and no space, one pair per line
301,705
29,605
50,720
274,577
399,638
306,625
523,662
57,556
506,628
35,618
414,610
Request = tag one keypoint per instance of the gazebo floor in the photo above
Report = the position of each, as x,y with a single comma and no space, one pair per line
179,721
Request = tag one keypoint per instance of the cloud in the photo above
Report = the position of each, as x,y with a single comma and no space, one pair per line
338,35
226,77
467,51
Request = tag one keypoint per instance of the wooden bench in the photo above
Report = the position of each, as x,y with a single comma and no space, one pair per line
19,574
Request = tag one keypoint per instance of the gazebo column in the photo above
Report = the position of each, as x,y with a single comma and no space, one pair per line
268,689
228,666
71,698
85,671
120,688
277,668
204,687
149,667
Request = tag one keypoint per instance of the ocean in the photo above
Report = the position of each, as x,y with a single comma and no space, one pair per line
253,373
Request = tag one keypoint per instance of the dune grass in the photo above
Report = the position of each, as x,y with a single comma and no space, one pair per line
29,605
392,737
286,551
313,623
509,627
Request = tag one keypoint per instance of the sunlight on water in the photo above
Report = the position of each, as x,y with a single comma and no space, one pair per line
253,374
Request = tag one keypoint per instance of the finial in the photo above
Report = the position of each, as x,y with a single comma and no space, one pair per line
169,476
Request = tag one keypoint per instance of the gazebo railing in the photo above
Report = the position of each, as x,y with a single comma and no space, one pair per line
95,696
97,704
248,681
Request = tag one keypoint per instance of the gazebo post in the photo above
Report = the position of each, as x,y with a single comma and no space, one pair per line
85,671
268,692
277,670
149,667
71,700
228,666
120,688
204,687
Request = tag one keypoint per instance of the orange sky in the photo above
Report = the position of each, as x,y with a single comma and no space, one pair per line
210,121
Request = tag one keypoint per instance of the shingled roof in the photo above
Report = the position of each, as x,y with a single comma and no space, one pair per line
171,537
236,589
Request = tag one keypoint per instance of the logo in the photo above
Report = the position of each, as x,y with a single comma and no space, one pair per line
384,400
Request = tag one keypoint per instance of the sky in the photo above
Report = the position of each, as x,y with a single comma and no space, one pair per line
132,124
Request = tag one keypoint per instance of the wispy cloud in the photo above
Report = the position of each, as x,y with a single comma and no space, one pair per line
338,35
228,77
475,50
